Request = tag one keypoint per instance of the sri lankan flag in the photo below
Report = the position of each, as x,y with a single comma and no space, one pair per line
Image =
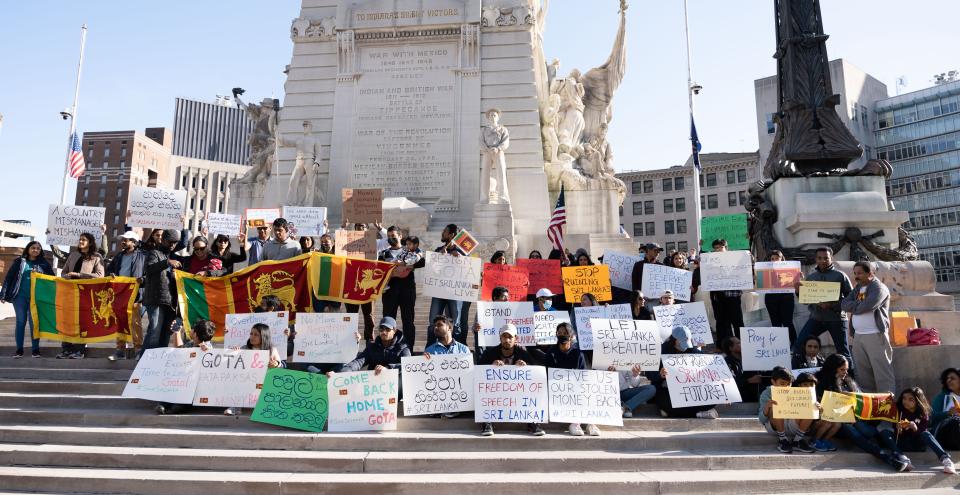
348,280
213,298
875,407
82,311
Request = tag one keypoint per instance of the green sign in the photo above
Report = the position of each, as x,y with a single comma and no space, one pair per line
733,228
293,399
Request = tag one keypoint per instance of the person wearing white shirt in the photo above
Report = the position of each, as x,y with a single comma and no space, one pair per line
869,305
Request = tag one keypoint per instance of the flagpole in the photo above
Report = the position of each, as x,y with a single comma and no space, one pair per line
73,116
696,176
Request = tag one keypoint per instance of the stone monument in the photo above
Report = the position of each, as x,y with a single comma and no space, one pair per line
493,216
250,188
304,189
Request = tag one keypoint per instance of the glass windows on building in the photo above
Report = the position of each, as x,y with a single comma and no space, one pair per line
712,203
731,176
638,230
637,208
635,186
668,227
680,205
668,206
678,183
651,229
648,207
682,227
667,185
648,186
732,198
711,179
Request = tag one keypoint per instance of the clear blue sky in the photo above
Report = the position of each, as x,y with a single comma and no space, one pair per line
141,55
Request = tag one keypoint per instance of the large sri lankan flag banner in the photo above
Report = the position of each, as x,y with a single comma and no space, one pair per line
348,280
82,311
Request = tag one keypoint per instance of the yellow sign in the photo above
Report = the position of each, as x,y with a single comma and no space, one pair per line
819,292
593,279
795,403
838,408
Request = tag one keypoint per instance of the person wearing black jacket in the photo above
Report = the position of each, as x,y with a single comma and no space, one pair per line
507,353
221,251
400,292
680,342
159,289
384,352
750,383
811,357
565,355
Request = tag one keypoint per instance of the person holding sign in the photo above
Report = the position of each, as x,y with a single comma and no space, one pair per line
16,290
826,317
508,353
448,307
945,415
823,431
383,353
259,340
200,262
256,245
650,253
221,251
785,429
565,355
680,342
281,247
84,262
869,306
201,336
128,262
780,305
912,434
727,305
400,293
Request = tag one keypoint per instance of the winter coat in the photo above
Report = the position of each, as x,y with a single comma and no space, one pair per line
375,354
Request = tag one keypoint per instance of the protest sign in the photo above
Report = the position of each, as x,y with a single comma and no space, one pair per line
621,269
441,384
465,242
732,228
493,315
819,292
363,400
362,205
514,278
660,278
625,343
812,371
776,276
155,208
261,217
223,223
543,274
728,270
237,328
699,380
585,396
795,403
593,279
165,375
356,243
692,315
583,315
451,277
545,325
325,338
65,223
837,407
293,399
510,394
305,220
765,348
230,378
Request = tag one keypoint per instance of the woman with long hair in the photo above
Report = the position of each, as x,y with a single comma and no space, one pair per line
912,430
83,262
16,290
221,251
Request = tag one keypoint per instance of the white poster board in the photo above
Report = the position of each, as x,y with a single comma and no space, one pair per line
729,270
625,343
621,268
325,338
699,380
493,315
363,401
155,208
585,396
445,276
238,327
763,348
584,315
65,223
261,217
441,384
510,394
545,325
692,315
224,224
305,220
231,378
659,278
165,374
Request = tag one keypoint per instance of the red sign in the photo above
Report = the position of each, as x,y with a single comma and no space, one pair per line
544,274
514,278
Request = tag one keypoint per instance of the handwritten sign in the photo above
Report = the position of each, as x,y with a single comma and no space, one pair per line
493,315
732,228
583,316
325,338
543,274
545,326
362,205
621,269
511,394
585,396
224,223
356,243
579,280
230,378
445,276
795,403
155,208
729,270
261,217
305,220
441,384
363,401
819,292
293,399
165,375
692,315
65,223
514,278
837,407
660,278
765,348
699,380
238,327
776,276
465,242
625,343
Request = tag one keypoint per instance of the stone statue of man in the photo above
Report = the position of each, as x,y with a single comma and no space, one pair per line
262,139
494,141
306,170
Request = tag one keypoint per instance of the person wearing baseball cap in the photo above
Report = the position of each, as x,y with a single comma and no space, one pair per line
666,299
679,342
383,353
544,300
651,252
507,353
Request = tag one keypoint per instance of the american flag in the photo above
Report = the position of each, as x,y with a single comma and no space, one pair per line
77,165
557,221
695,144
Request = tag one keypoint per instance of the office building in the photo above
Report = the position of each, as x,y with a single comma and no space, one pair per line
207,184
211,131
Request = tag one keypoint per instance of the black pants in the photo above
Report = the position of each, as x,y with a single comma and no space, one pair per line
949,434
367,311
780,309
728,314
402,296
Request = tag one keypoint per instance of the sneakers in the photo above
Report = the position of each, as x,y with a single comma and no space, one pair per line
948,467
451,415
575,430
708,414
18,355
627,413
536,430
804,446
64,355
593,431
830,446
821,446
117,355
229,412
160,409
76,355
35,354
785,446
487,430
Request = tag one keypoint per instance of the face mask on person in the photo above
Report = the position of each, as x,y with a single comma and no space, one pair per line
547,303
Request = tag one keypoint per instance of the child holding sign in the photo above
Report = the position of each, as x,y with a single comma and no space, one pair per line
822,431
912,434
791,433
201,336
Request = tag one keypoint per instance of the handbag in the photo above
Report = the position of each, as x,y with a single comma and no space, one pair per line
923,336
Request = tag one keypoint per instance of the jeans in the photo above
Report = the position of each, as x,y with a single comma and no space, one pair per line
158,329
915,442
464,323
780,308
837,329
633,398
21,306
862,435
451,309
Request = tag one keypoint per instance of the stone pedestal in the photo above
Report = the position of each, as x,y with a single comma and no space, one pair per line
248,195
493,228
593,221
409,216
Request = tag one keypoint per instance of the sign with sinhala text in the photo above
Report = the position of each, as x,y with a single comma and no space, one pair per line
155,208
625,343
621,269
583,315
729,270
363,400
819,292
441,384
691,315
732,228
293,399
224,223
795,403
585,396
230,378
699,380
510,394
580,280
65,223
514,278
305,220
543,274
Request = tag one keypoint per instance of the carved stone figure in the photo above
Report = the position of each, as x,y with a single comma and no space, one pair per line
302,190
550,121
600,83
494,141
489,15
263,137
571,127
299,27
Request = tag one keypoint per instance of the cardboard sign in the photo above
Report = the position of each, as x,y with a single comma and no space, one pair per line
514,278
441,384
356,243
579,280
231,378
465,242
293,399
732,228
223,223
692,315
545,326
543,274
305,220
511,394
65,223
776,276
155,208
660,278
238,327
325,338
363,401
583,316
729,270
795,403
165,374
445,276
765,348
261,217
625,343
362,205
621,269
837,407
699,380
585,396
493,315
819,292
